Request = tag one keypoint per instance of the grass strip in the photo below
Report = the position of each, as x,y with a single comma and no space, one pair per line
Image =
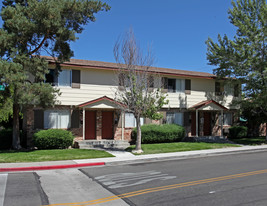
179,147
7,156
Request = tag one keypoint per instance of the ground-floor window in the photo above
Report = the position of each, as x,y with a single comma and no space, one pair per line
227,118
130,120
175,118
56,119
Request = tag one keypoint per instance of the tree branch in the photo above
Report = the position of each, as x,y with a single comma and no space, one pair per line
40,45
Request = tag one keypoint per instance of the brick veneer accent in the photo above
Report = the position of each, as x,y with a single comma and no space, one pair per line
127,134
98,124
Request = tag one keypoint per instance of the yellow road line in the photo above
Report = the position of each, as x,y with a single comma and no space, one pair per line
161,188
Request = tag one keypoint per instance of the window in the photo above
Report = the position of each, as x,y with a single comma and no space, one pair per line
175,118
130,120
227,119
176,85
236,90
180,85
56,119
219,89
121,79
171,85
150,80
188,86
64,78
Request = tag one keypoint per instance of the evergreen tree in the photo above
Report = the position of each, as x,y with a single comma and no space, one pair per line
31,27
244,59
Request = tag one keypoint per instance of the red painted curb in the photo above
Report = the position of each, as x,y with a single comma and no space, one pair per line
50,167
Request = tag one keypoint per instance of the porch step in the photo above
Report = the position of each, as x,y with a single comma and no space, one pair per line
103,144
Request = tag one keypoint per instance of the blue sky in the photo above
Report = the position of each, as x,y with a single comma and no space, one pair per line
175,29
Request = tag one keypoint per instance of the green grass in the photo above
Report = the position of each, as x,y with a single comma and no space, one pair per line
250,141
179,147
7,156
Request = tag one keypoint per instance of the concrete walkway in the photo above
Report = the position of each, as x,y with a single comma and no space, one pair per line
123,157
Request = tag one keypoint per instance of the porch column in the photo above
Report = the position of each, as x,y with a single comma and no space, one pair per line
122,125
221,123
83,123
196,123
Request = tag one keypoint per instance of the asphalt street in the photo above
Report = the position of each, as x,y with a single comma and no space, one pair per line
239,179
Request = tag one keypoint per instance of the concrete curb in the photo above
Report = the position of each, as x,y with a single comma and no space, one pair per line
51,167
182,157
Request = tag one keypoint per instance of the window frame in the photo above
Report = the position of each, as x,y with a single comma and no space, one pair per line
133,124
59,114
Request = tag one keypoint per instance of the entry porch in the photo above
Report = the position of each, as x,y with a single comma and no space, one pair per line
103,125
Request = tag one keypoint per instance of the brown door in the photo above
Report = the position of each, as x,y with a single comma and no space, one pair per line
90,125
107,125
207,124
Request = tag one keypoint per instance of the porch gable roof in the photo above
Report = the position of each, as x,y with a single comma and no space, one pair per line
111,103
207,103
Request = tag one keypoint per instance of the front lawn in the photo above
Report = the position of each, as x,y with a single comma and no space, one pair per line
250,141
7,156
179,147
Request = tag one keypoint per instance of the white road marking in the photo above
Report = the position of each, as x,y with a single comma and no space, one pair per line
211,192
119,180
3,180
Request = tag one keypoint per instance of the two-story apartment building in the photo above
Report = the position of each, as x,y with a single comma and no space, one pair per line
87,107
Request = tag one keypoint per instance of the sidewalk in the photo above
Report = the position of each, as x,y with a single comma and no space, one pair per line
122,157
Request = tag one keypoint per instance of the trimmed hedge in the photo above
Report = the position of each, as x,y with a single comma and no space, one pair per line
153,133
53,139
6,139
237,132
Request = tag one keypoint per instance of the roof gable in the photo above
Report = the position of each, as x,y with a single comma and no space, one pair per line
208,105
102,102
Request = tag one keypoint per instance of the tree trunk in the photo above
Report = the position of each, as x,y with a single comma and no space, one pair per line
138,148
16,136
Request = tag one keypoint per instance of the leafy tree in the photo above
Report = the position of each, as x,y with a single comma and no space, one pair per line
244,58
32,27
139,90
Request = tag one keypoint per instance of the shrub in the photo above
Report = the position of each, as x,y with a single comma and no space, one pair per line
152,133
53,139
236,132
5,138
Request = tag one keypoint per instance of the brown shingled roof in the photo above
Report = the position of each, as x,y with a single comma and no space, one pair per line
114,66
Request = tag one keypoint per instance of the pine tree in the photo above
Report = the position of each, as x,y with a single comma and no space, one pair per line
244,58
31,27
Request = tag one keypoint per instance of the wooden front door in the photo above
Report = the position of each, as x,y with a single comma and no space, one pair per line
107,125
90,125
207,124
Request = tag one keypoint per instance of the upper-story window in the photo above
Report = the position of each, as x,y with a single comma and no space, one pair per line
65,78
171,85
219,88
236,90
175,85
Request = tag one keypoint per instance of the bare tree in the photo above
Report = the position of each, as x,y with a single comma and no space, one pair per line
139,89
